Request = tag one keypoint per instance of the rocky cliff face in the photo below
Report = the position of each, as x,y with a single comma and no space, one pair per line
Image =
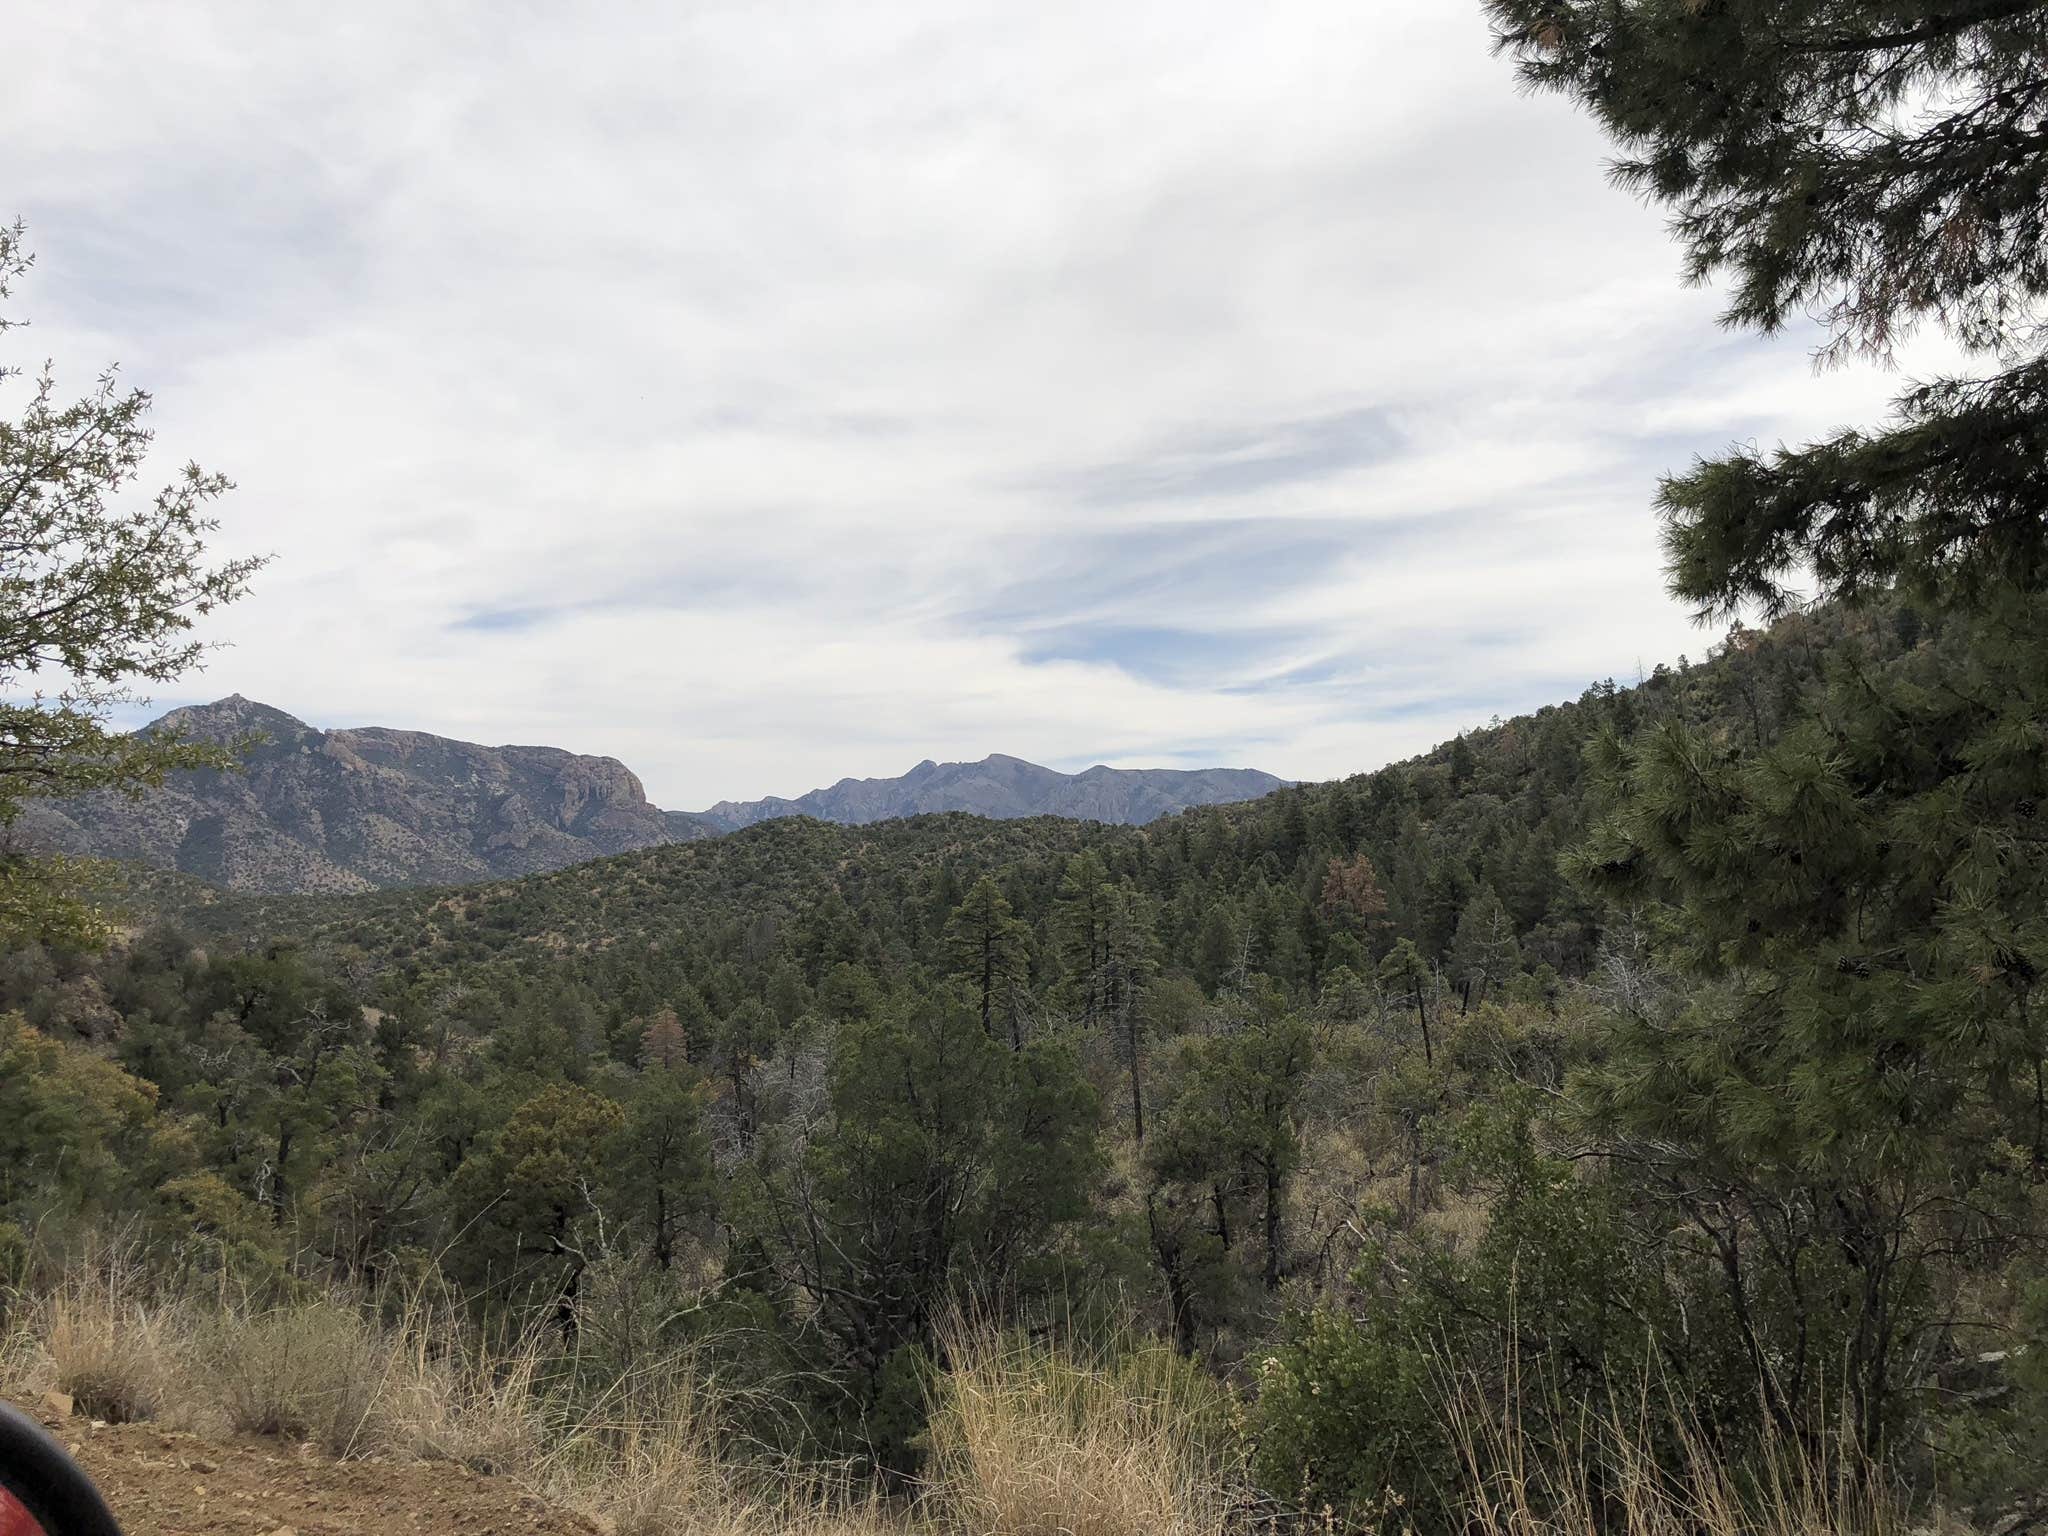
358,809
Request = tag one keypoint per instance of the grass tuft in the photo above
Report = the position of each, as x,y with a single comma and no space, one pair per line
1029,1440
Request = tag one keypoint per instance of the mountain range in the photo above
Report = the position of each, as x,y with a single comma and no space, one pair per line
1002,788
369,808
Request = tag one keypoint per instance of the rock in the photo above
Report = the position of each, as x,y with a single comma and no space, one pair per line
58,1404
355,810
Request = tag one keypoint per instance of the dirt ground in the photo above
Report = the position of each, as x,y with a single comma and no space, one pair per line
163,1483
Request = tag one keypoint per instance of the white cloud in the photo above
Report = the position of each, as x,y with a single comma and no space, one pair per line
718,386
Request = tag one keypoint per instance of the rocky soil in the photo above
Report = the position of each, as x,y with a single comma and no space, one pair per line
164,1483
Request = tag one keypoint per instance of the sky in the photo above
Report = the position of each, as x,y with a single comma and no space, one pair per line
773,392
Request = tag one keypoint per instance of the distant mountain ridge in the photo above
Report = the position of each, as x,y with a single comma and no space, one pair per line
1001,788
356,810
370,808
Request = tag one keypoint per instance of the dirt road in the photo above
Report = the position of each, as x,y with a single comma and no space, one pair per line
162,1483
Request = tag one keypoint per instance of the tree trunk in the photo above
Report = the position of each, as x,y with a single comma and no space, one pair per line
664,1240
988,983
1414,1169
1137,1088
1272,1274
281,1190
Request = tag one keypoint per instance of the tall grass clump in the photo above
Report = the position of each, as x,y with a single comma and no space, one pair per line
1653,1472
1029,1439
653,1452
314,1370
121,1352
449,1395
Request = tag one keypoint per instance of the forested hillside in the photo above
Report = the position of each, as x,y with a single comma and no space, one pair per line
1481,820
1235,1076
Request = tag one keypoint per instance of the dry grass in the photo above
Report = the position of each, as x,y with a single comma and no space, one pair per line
1025,1439
315,1372
643,1457
660,1472
1613,1480
1029,1441
477,1406
120,1353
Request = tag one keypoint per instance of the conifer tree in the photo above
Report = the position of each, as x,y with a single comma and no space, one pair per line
661,1154
1878,164
1351,895
988,944
1080,923
1858,898
1406,974
1484,953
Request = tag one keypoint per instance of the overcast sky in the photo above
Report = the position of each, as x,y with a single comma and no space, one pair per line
770,392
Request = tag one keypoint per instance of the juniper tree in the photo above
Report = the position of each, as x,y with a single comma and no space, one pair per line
98,594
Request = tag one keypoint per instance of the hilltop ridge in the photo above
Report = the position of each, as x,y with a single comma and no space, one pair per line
371,807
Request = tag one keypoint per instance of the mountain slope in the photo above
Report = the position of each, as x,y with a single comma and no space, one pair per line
370,809
356,810
1002,788
1483,818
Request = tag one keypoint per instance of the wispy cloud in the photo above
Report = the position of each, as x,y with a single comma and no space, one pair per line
1238,462
766,394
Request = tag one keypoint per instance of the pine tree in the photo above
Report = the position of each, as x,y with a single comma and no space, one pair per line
1407,975
1484,953
1351,895
1235,1110
1879,165
661,1162
1080,924
1857,895
1130,957
663,1042
989,946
